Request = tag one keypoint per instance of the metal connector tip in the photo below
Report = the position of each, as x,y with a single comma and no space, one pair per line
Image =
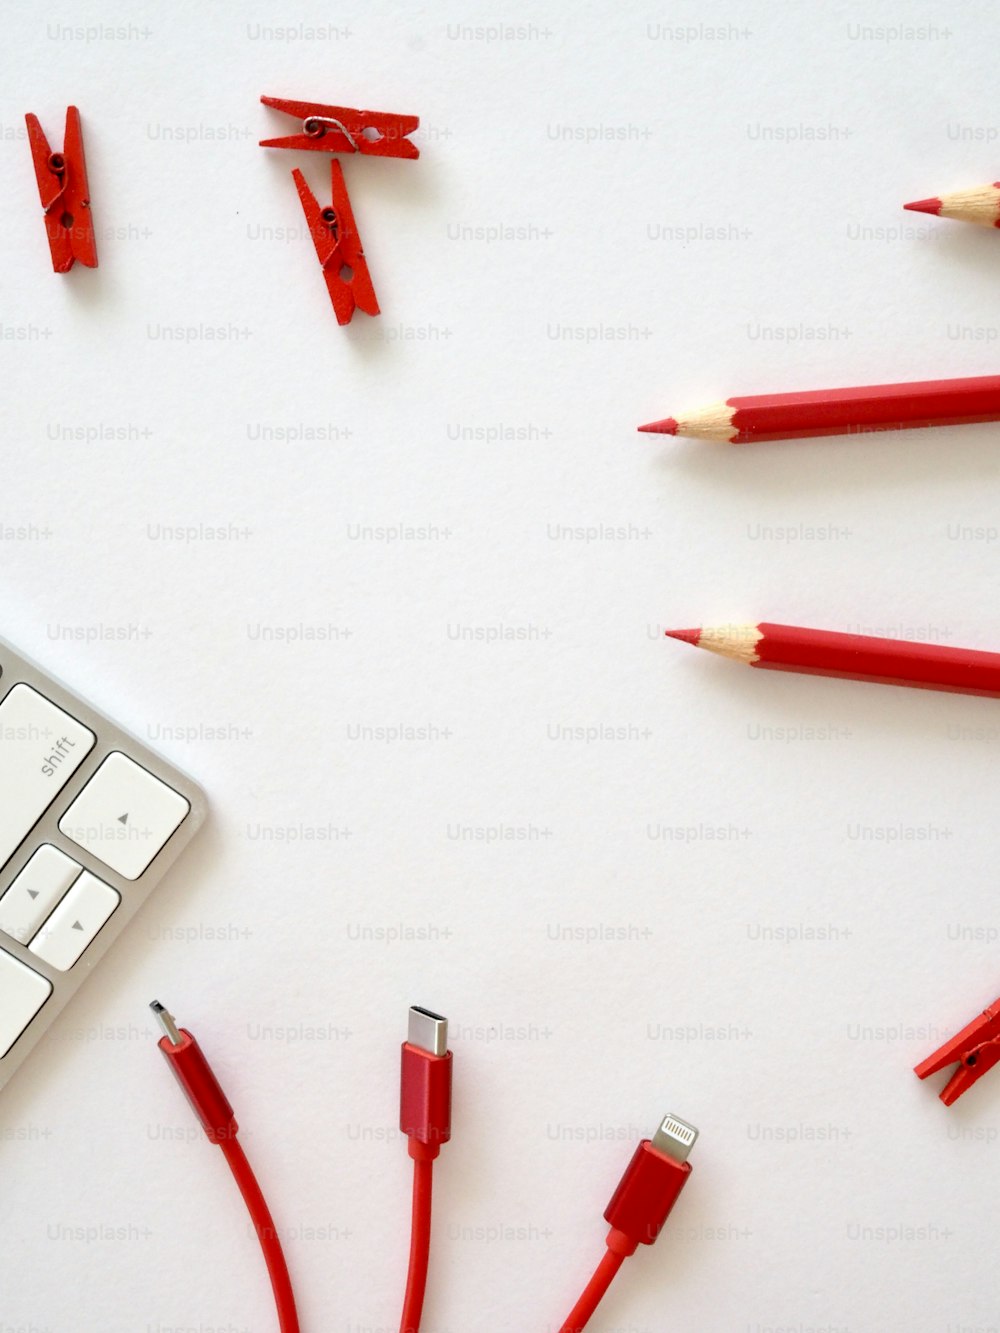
166,1022
674,1138
427,1030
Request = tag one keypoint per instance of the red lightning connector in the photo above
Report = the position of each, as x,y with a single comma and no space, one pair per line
650,1187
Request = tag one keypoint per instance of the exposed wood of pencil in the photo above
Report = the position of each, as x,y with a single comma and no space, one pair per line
870,407
815,652
980,205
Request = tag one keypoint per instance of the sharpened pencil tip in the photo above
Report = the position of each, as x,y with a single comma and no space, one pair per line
685,635
668,426
925,206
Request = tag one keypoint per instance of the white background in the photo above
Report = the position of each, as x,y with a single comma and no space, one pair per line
762,906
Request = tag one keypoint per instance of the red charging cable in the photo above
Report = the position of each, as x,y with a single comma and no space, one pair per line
650,1187
425,1119
203,1090
639,1207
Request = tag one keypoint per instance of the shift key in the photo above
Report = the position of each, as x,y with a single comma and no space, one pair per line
41,747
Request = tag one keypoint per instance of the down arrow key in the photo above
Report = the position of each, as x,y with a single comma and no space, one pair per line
75,922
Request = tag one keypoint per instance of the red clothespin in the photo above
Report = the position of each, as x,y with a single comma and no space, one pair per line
341,129
338,247
62,186
976,1049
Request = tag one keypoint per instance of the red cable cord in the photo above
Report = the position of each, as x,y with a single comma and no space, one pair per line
420,1244
425,1119
211,1105
639,1207
267,1234
594,1292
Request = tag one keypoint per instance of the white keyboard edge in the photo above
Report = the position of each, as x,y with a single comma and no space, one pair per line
15,669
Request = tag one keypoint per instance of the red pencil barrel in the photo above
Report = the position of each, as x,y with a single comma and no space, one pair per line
786,416
887,661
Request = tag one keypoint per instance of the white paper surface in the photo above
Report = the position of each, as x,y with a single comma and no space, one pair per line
636,878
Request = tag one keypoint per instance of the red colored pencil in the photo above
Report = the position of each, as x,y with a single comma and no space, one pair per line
817,652
790,416
980,205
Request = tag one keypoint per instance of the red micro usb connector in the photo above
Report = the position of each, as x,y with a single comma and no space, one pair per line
646,1193
193,1072
211,1105
425,1119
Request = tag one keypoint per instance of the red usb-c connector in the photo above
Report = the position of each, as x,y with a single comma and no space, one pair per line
211,1105
646,1193
425,1119
425,1084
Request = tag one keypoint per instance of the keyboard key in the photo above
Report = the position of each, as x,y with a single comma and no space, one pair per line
124,815
35,892
75,922
41,747
22,994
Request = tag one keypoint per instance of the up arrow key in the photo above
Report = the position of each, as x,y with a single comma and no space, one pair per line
77,925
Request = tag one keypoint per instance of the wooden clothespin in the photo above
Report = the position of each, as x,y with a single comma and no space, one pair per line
341,129
338,247
976,1049
62,186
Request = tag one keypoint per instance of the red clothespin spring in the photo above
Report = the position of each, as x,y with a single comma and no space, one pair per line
976,1049
338,247
62,186
341,129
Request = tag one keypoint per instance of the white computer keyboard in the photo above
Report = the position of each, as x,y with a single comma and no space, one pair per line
90,820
